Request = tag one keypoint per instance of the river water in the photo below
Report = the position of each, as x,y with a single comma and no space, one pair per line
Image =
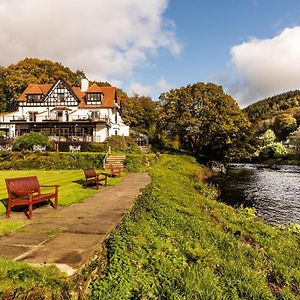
274,193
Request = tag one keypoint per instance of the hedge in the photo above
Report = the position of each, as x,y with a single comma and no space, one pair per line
49,160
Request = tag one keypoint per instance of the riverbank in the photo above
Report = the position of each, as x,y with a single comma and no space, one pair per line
179,243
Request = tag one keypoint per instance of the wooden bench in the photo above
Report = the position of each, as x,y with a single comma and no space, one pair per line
92,177
27,191
115,171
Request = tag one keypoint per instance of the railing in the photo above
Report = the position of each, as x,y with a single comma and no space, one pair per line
74,138
106,157
70,118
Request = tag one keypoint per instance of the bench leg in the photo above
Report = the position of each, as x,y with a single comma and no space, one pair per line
30,211
56,201
105,180
8,210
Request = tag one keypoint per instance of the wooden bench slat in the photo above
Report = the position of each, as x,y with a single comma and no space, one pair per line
27,191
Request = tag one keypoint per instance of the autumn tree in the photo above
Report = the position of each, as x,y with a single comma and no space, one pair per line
206,121
283,125
139,112
16,77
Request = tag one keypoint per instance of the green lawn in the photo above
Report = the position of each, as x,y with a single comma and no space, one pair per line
70,190
179,243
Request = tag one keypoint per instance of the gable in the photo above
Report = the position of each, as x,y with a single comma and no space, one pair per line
60,94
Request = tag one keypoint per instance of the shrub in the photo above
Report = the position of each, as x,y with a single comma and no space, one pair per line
139,163
122,144
273,150
50,160
27,141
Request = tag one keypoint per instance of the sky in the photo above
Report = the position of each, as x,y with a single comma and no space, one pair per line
250,47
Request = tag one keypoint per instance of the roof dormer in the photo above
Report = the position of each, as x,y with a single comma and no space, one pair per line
34,94
94,95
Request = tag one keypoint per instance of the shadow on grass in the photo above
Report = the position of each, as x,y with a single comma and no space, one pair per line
24,208
90,185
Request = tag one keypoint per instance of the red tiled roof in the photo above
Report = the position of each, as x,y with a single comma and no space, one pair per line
109,92
40,89
94,88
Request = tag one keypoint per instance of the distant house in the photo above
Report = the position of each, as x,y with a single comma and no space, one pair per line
66,113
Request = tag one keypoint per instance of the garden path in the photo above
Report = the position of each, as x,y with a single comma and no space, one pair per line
70,236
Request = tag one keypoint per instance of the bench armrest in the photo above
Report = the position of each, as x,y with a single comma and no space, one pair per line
53,185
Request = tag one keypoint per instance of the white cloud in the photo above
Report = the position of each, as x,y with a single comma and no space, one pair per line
106,39
266,67
149,90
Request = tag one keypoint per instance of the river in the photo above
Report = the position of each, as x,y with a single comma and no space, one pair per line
275,194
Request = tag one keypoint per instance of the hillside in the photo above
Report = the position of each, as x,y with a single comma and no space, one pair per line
272,106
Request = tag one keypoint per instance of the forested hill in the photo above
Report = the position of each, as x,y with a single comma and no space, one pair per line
16,77
269,107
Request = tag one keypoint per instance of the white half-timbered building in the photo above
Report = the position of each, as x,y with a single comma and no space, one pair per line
66,113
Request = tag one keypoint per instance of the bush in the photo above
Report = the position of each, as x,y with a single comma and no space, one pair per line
273,150
139,163
122,144
27,141
50,160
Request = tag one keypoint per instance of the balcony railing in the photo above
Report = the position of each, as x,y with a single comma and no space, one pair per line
73,118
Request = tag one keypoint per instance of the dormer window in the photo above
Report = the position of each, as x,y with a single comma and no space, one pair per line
34,98
94,98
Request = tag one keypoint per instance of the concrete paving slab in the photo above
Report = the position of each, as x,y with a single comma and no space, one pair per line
24,239
12,251
70,236
71,257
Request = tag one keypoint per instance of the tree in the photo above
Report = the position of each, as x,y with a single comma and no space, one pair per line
139,112
269,137
15,78
206,121
294,138
283,125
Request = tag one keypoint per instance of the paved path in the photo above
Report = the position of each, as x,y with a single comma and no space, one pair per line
69,237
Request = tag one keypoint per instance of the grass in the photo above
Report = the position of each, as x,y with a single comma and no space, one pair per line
19,280
70,190
179,243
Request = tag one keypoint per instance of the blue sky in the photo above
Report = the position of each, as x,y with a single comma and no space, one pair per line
250,47
207,30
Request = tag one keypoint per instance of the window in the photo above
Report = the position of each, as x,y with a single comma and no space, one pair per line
116,132
95,115
34,98
32,116
94,98
116,118
60,97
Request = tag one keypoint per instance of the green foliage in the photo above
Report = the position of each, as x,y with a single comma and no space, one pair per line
122,144
179,243
50,160
283,125
28,141
273,150
270,107
15,78
137,163
206,121
18,280
269,137
139,112
295,141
